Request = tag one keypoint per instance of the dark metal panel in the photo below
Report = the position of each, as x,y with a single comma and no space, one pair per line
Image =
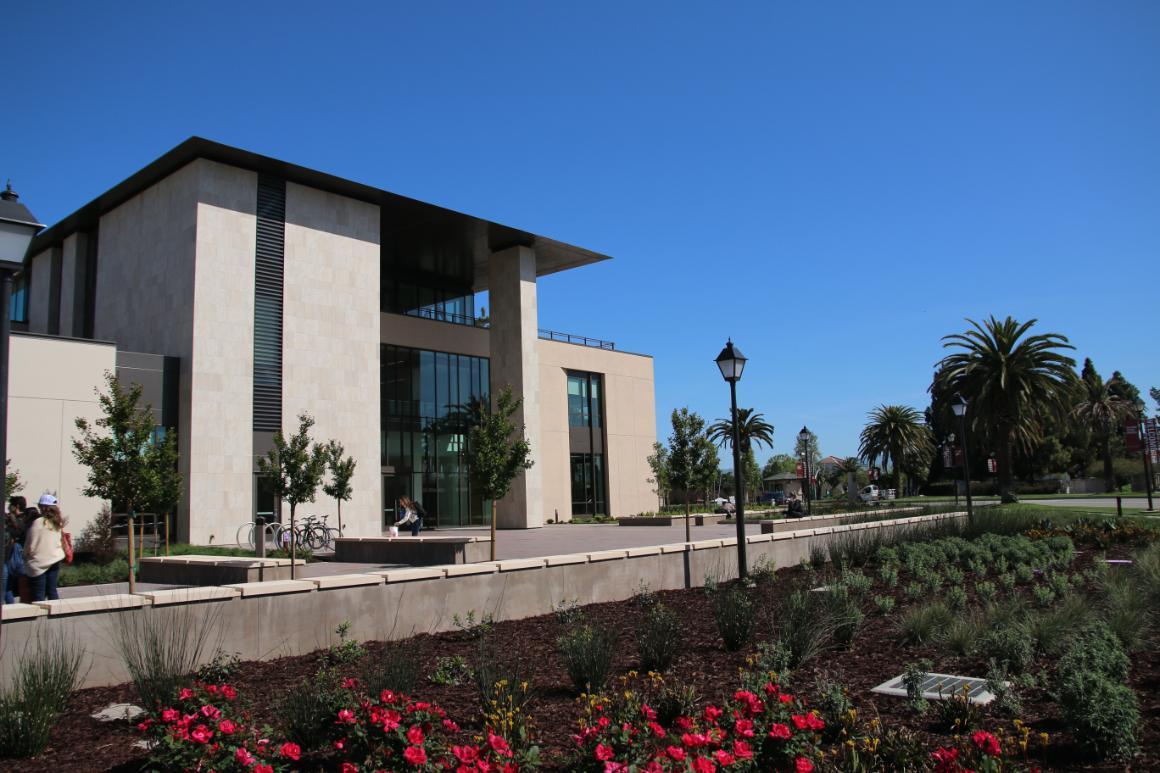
269,264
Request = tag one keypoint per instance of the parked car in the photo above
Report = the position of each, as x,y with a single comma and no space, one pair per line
868,494
722,500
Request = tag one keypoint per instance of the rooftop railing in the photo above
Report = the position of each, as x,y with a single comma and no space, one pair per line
568,338
446,316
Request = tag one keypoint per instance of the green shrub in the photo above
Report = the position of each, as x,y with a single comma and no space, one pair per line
1006,696
347,650
956,597
978,567
934,583
914,591
1051,629
773,661
954,575
836,709
116,570
567,612
888,573
658,639
587,651
1007,581
986,591
307,710
1009,645
805,631
221,668
44,677
1095,649
1059,583
160,648
675,701
1101,714
844,615
1001,565
857,583
925,623
1024,574
1043,595
764,571
472,628
392,668
733,611
450,671
962,633
913,675
884,604
97,539
957,713
1127,609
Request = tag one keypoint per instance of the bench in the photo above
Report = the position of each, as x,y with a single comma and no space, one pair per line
211,570
413,551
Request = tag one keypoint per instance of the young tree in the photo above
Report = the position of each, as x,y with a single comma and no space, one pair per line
692,457
1101,411
294,466
127,466
497,450
12,482
658,462
341,471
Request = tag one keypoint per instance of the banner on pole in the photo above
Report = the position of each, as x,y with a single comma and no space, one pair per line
1132,436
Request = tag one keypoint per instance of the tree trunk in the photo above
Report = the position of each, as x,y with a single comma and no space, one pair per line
1109,474
339,501
851,487
493,517
293,543
1006,496
688,510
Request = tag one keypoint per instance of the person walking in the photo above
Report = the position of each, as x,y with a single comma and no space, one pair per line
14,550
44,550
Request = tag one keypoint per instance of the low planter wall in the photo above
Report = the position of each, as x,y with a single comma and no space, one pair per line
212,570
646,520
773,526
264,620
413,551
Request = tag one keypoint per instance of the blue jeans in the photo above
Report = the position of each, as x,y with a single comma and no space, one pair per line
44,586
416,527
9,596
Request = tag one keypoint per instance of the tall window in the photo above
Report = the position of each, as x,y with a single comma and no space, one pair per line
18,308
584,402
426,400
428,300
588,485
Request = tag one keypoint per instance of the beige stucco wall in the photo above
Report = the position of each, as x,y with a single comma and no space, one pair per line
630,426
221,368
419,333
330,339
51,384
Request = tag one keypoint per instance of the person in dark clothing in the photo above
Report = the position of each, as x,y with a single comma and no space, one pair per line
13,566
795,509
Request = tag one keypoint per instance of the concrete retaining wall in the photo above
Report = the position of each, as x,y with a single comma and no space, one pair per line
266,620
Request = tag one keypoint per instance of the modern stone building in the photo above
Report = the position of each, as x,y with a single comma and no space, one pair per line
246,290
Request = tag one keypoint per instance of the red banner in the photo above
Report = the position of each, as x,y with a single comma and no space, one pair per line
801,470
1132,435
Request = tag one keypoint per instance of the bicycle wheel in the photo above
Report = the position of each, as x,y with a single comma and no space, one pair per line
246,530
314,537
331,535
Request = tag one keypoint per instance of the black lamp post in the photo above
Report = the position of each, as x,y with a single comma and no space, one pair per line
804,436
17,227
731,362
959,406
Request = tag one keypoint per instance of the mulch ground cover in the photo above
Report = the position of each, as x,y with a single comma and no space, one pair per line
80,743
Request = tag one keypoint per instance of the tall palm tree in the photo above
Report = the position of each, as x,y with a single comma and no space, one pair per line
1100,410
751,428
1010,380
897,434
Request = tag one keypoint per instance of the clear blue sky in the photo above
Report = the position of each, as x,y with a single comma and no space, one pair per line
835,185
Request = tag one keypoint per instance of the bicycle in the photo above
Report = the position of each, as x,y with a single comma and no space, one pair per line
247,534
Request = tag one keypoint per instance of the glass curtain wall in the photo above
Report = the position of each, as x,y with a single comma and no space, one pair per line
585,414
428,300
426,399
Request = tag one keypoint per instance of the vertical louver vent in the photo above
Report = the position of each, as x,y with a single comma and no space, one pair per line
268,266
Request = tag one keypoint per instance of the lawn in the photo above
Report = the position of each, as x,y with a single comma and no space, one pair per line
773,677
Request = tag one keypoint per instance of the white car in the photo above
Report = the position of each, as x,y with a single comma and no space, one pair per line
868,494
722,500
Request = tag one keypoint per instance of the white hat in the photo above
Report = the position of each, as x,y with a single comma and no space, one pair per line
47,499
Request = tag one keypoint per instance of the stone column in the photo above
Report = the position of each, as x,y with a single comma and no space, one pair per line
514,361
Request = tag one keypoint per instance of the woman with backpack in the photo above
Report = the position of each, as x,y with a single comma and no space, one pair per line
44,550
412,515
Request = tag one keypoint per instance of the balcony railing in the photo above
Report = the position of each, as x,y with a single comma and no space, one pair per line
568,338
446,316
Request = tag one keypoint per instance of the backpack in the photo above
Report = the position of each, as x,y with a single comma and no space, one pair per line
419,511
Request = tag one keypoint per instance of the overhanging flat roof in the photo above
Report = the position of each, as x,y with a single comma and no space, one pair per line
481,237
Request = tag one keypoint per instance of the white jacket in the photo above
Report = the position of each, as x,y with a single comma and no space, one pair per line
42,548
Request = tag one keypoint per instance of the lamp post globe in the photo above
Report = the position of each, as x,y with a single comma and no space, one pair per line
17,228
731,363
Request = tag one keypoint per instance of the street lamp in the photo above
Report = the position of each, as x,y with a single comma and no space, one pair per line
731,362
804,436
959,406
17,227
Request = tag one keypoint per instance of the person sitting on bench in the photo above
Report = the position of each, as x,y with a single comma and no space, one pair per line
795,509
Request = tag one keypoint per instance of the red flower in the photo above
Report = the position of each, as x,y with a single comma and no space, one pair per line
291,751
201,734
498,744
802,765
262,769
780,732
703,765
743,728
751,702
465,754
143,726
210,712
169,716
243,757
712,713
604,753
676,753
771,688
229,693
814,722
349,767
987,743
227,727
945,760
615,767
800,722
415,736
185,694
724,758
742,750
785,698
350,683
656,729
415,755
647,711
684,723
346,717
450,726
211,689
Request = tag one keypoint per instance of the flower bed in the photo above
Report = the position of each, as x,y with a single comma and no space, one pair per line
715,708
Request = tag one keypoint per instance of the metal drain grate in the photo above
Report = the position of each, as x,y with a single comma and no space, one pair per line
949,685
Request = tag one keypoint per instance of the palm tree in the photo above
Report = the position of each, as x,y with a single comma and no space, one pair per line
897,434
751,428
1010,380
1099,411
